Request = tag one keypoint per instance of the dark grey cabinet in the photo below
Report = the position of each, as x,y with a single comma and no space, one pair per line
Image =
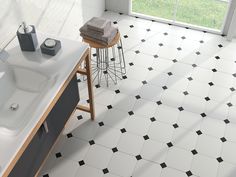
36,152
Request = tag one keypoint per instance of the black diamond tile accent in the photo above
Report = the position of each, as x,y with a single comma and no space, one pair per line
165,33
203,114
131,113
232,89
198,53
126,36
217,57
159,102
194,151
138,157
207,99
114,150
189,173
174,61
220,45
124,77
123,130
183,37
105,72
211,83
199,132
153,119
164,87
150,68
223,139
121,13
145,137
234,74
214,70
131,63
109,107
144,82
190,78
148,30
137,97
69,135
219,159
81,163
143,40
160,44
91,142
163,165
105,171
155,56
79,117
100,124
180,108
179,48
117,91
170,73
137,51
194,65
175,125
115,22
58,155
185,93
169,144
46,175
227,121
97,86
131,26
229,104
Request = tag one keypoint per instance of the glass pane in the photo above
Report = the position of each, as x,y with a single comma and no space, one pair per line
207,13
156,8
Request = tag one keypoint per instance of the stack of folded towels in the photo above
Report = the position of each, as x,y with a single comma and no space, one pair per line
99,30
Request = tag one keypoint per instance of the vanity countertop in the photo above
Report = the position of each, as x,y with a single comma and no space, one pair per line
67,59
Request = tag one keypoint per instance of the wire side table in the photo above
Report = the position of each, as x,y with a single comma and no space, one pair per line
110,61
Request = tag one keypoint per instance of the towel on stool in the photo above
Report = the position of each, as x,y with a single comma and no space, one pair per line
104,39
99,24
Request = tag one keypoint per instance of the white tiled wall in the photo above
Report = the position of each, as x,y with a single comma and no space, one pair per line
59,17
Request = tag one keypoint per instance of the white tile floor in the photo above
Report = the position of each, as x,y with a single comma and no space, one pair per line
183,125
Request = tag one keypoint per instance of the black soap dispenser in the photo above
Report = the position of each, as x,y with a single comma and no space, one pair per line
27,37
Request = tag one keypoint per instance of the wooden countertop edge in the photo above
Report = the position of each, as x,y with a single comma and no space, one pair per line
42,119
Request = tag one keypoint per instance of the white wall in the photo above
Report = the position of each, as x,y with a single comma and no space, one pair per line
118,5
59,17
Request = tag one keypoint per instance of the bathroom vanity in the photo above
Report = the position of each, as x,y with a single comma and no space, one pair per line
39,93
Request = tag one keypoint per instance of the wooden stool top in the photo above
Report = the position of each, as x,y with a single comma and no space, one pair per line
96,45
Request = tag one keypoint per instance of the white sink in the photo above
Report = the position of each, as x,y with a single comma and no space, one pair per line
20,92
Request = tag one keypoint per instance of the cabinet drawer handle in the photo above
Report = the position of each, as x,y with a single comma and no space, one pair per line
45,125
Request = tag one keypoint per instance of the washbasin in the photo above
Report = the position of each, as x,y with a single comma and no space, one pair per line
20,92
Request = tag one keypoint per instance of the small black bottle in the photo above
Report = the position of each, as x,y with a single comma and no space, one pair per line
27,37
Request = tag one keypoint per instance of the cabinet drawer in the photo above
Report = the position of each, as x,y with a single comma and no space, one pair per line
37,150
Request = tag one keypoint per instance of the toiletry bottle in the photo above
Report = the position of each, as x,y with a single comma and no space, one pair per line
27,37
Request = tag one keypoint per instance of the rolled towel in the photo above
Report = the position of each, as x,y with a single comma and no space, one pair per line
99,24
106,38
